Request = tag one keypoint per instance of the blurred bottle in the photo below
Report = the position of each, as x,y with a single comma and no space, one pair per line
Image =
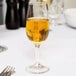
1,12
23,6
12,17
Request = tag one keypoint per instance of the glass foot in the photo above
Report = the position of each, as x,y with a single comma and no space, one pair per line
37,68
3,48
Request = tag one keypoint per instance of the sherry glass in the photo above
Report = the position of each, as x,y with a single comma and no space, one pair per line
37,29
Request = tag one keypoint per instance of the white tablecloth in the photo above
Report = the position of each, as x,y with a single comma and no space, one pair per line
58,52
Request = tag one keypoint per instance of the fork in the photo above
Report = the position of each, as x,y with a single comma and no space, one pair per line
7,71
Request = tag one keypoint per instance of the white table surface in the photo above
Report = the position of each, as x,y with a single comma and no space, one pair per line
58,52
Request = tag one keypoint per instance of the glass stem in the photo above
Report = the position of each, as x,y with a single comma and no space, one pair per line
53,22
37,54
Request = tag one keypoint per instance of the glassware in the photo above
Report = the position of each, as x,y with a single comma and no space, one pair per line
55,10
47,1
37,29
60,20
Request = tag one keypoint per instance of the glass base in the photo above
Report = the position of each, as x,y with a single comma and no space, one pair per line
3,48
37,68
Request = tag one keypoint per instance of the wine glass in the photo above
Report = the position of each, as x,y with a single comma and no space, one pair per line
37,29
55,10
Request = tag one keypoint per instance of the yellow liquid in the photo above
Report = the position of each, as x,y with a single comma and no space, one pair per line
37,29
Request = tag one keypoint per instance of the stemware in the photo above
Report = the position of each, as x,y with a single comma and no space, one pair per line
37,29
55,10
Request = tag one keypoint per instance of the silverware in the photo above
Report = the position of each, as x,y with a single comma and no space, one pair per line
3,48
8,71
